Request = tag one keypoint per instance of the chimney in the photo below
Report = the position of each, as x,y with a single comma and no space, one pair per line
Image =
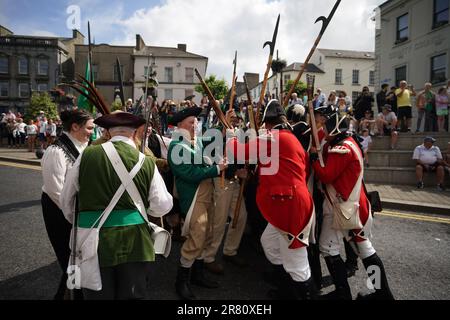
182,47
140,44
78,36
252,79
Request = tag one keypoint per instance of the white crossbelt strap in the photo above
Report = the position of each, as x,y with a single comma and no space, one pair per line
160,246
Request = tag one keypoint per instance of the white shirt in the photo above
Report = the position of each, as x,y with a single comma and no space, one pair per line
31,129
427,156
54,169
159,199
366,142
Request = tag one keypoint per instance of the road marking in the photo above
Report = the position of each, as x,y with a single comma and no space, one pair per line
413,217
20,165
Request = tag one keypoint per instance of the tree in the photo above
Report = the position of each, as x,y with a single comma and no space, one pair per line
41,101
219,88
300,88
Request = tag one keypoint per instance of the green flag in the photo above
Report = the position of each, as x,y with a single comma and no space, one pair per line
83,102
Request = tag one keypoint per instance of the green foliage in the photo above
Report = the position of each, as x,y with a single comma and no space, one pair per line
41,101
300,88
219,88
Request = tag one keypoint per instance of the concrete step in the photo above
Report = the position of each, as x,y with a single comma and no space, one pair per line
409,141
392,158
399,176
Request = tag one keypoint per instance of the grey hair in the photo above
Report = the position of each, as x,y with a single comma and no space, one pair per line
116,130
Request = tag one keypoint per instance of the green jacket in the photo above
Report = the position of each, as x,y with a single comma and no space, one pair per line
190,172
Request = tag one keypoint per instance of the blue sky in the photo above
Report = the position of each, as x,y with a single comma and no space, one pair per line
211,28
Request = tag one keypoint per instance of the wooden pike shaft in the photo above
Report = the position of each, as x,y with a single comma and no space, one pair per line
263,89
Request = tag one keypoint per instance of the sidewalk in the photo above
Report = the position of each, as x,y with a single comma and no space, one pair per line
19,156
400,197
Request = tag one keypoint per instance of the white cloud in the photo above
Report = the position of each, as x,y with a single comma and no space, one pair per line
217,28
43,33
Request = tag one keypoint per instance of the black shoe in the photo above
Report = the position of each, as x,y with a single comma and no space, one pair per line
236,260
214,267
440,187
182,284
420,185
198,276
351,269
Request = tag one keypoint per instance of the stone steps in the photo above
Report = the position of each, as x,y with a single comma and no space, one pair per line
399,176
408,141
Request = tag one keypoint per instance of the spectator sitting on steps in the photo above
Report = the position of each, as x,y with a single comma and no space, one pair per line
429,159
387,124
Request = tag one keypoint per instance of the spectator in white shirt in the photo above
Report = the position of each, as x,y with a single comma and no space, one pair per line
366,144
31,130
387,125
429,159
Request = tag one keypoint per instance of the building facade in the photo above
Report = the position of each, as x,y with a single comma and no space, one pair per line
33,63
345,70
413,43
174,67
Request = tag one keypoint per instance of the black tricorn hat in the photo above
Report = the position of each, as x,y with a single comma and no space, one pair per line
190,97
273,110
183,114
119,119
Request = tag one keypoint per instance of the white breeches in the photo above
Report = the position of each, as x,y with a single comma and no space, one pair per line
276,249
330,239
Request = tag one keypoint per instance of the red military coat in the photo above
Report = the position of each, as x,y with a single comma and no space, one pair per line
342,170
283,197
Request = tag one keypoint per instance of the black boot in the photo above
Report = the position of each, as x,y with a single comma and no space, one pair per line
383,292
351,261
182,284
314,262
304,290
337,270
198,276
279,279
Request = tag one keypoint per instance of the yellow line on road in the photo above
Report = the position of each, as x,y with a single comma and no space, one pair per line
413,217
20,165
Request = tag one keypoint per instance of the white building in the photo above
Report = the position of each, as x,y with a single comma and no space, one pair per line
174,67
413,43
345,70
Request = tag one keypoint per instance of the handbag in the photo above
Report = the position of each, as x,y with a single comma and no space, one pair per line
375,201
162,241
87,268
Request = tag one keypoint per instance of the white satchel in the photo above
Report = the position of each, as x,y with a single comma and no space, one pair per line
162,241
86,271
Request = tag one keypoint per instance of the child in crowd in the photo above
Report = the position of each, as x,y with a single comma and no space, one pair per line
366,144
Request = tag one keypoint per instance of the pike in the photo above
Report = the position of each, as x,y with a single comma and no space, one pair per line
243,182
310,87
233,83
271,44
325,23
147,112
90,54
119,75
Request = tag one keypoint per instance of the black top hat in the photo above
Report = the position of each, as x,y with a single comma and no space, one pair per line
120,119
183,114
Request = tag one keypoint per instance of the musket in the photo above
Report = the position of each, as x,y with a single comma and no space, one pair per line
91,73
146,76
271,44
325,23
119,75
310,85
233,83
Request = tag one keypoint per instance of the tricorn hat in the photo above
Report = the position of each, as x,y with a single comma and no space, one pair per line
273,110
120,119
183,114
190,97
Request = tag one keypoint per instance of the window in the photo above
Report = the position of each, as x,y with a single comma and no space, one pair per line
440,13
168,74
371,78
4,65
4,89
438,69
355,77
23,65
168,94
41,87
338,76
116,72
190,75
287,78
402,28
23,90
95,72
400,75
43,67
